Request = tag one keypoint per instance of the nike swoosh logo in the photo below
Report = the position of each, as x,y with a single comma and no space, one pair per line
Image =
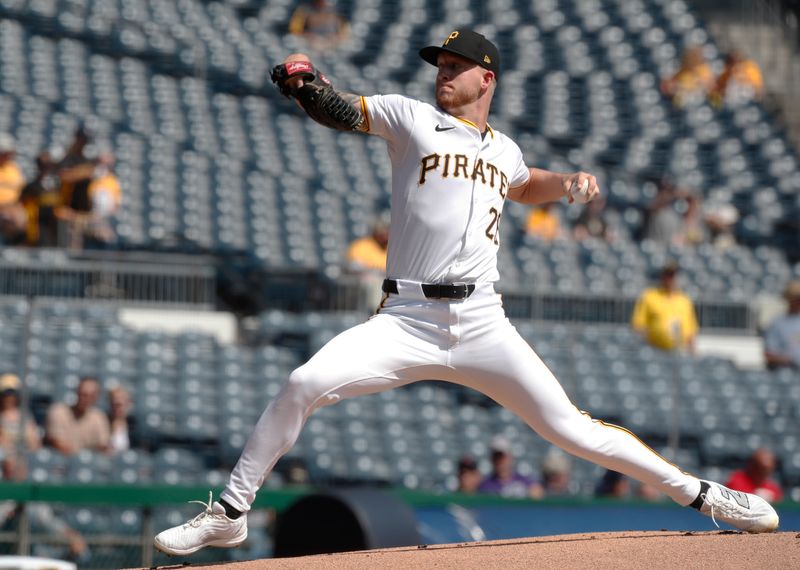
440,128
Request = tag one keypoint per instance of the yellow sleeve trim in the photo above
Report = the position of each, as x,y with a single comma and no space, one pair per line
365,112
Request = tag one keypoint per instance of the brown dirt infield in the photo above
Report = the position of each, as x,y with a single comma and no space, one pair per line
623,550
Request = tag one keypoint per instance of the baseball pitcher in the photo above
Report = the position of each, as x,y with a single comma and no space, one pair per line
440,317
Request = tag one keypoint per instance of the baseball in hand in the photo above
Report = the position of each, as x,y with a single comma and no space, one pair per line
581,195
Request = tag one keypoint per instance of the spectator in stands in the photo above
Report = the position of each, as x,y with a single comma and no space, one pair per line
41,198
679,217
613,485
504,480
469,477
368,254
695,230
80,426
663,224
41,517
12,214
756,477
693,81
366,258
105,198
591,223
740,81
664,315
544,222
18,431
122,424
782,337
557,474
75,172
720,218
320,24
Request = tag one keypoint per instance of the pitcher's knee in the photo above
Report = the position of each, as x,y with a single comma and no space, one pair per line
576,439
304,387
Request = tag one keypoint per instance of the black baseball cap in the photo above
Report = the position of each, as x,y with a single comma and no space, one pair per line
469,44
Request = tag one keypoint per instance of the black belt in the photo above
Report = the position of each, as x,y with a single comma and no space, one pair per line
435,290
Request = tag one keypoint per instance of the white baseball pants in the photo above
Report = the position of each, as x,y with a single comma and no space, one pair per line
469,342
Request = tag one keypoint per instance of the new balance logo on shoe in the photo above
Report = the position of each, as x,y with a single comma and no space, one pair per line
737,496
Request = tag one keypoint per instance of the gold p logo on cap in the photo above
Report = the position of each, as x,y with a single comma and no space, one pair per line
452,36
487,59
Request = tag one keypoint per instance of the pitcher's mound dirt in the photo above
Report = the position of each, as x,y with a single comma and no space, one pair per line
640,550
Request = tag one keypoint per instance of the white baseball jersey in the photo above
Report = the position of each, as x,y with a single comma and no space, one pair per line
448,187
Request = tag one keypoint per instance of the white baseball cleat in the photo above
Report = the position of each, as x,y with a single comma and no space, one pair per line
745,511
209,528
